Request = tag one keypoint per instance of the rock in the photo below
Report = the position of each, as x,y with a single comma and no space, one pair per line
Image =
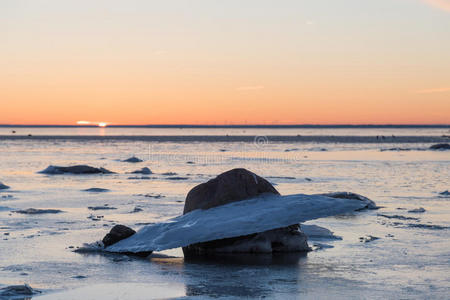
78,169
16,291
140,178
237,185
121,232
169,174
445,193
133,159
349,195
96,190
177,178
101,207
368,239
144,171
3,186
117,233
440,147
398,217
417,210
36,211
231,186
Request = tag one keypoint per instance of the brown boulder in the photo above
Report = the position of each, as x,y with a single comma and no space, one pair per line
231,186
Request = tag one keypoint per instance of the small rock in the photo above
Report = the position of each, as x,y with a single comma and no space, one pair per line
101,207
144,171
117,233
133,159
417,210
177,178
36,211
3,186
96,190
443,146
136,209
78,169
18,290
368,238
139,177
169,174
350,195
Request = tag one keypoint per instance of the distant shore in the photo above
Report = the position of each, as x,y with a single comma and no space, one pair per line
238,138
247,126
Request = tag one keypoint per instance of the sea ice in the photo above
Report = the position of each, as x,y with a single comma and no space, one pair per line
259,214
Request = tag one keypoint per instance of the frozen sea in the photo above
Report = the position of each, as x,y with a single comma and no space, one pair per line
392,166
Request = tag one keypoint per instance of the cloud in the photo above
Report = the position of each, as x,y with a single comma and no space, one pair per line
432,91
442,4
250,88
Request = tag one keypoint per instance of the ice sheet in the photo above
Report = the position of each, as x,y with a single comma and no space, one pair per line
235,219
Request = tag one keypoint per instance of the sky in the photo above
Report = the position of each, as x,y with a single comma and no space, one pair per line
225,62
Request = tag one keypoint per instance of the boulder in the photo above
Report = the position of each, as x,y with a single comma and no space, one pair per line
440,147
121,232
231,186
237,185
78,169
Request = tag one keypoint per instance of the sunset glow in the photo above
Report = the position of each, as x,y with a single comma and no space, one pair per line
228,62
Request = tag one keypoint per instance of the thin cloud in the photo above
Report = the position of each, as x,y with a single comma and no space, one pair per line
250,88
432,91
441,4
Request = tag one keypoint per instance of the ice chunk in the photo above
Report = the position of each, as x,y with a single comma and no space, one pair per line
259,214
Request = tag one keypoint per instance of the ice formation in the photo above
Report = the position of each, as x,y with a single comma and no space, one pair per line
259,214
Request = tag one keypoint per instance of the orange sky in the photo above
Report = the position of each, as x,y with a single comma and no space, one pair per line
209,62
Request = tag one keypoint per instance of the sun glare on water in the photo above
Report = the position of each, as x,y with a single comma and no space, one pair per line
99,124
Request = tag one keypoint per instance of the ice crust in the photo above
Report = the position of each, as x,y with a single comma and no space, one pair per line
259,214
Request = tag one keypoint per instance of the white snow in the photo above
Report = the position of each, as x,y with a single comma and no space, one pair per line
235,219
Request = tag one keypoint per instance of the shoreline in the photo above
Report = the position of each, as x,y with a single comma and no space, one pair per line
238,138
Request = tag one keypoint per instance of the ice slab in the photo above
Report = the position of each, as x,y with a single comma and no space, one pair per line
259,214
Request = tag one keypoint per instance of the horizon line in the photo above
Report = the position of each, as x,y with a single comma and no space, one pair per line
235,125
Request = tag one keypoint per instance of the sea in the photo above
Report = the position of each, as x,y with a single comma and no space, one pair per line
399,251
